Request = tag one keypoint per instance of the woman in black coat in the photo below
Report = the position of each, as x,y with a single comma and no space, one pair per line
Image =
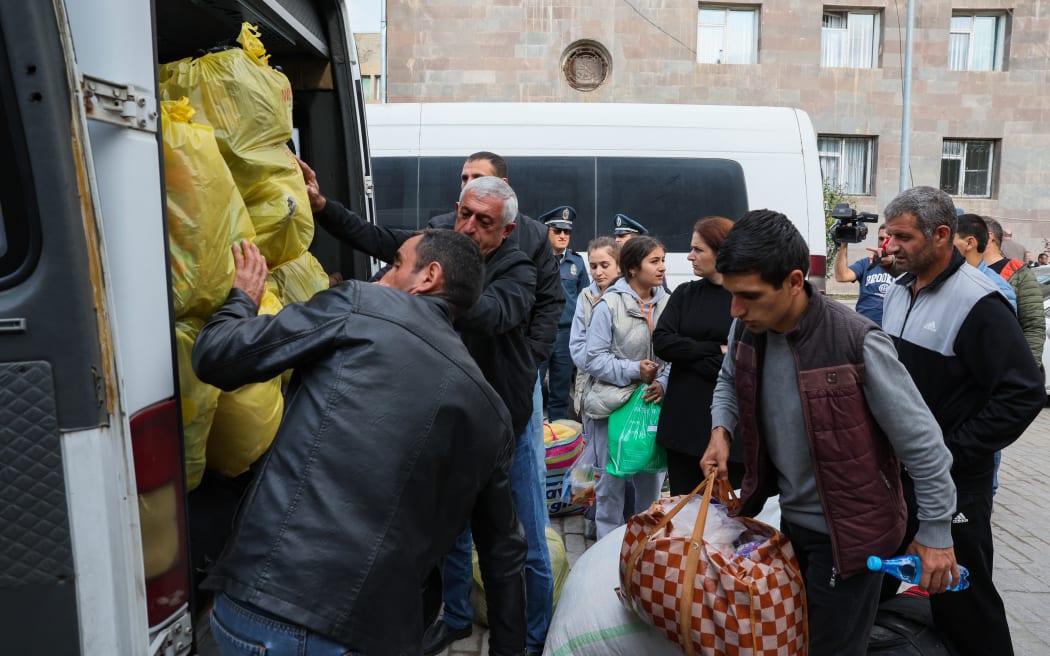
691,335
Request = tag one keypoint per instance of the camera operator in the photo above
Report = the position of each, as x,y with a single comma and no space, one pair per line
875,274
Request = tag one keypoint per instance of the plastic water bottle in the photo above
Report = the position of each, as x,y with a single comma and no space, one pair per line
908,568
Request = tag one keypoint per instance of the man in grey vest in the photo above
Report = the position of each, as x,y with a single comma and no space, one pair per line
964,348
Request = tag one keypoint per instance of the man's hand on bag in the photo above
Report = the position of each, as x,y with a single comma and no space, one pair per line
939,569
313,188
717,454
249,269
654,393
648,370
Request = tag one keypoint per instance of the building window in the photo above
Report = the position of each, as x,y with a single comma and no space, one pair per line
727,35
966,167
849,39
845,162
976,42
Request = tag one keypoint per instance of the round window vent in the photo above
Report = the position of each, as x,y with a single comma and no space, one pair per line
586,65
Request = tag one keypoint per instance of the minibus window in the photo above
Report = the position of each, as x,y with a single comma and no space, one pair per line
667,195
15,187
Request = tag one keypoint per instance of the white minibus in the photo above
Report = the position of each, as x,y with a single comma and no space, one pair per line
663,165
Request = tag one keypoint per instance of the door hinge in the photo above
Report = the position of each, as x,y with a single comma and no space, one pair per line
119,104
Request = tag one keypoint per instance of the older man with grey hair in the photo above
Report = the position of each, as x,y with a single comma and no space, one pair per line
494,332
962,345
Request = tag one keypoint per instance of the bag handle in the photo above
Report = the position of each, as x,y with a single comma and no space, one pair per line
730,500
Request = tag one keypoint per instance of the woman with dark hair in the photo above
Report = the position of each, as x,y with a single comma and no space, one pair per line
692,335
618,358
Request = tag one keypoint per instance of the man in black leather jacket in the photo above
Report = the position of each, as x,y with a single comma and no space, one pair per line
495,334
390,440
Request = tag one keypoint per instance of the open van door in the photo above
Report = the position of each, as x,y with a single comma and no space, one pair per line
94,552
72,570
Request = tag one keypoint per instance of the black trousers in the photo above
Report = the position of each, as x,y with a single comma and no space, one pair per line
841,611
684,473
973,622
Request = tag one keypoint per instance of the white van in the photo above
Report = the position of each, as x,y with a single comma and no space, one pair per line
94,553
663,165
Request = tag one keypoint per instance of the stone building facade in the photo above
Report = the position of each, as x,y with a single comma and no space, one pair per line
841,61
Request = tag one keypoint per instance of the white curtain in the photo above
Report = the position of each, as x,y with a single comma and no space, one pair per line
959,43
741,37
711,36
854,175
833,40
984,37
861,40
846,162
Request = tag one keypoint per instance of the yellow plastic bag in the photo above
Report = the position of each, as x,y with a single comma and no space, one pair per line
246,419
249,105
198,402
205,213
559,569
299,279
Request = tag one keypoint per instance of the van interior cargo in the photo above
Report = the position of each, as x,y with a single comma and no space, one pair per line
303,38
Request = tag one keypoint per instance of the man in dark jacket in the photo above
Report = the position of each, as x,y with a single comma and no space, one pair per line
964,348
826,414
530,237
390,440
494,331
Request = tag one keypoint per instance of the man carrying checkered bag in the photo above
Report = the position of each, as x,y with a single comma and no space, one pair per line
826,414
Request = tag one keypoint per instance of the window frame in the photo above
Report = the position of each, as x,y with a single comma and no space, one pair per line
993,161
876,37
871,143
754,10
999,46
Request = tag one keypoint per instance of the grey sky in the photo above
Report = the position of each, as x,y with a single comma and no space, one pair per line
364,15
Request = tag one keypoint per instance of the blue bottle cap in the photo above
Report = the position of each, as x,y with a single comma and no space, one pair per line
874,563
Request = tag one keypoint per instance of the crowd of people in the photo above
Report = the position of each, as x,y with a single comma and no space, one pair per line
414,421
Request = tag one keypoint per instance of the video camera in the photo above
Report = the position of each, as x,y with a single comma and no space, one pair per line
849,227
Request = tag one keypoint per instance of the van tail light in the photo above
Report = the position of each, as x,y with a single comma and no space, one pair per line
818,272
157,449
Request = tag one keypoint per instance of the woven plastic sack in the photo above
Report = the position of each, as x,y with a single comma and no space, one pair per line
632,438
746,601
559,569
249,105
246,419
198,401
564,442
205,213
299,279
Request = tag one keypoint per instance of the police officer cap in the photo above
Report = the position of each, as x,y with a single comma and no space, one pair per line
623,224
560,217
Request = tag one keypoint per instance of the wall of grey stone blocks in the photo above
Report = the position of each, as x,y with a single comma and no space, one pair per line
511,50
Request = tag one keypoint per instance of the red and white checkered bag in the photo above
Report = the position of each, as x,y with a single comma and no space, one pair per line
709,601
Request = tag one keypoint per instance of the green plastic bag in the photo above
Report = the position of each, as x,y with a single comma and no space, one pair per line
632,438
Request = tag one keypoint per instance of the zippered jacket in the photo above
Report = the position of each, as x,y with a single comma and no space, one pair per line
964,348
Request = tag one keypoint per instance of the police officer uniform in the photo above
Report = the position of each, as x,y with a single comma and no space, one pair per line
574,279
625,225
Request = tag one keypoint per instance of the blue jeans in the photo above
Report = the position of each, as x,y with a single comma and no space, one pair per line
529,491
559,385
242,630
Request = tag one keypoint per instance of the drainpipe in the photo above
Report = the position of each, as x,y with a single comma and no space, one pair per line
906,101
382,51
